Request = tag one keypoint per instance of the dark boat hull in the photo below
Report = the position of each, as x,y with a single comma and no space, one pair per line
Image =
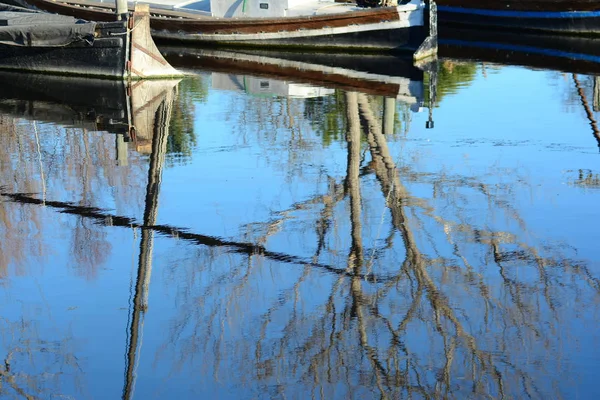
33,41
105,58
66,100
577,22
404,40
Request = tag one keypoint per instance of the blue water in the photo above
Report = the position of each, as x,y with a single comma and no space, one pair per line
281,264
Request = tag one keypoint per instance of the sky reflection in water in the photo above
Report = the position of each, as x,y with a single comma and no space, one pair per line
254,245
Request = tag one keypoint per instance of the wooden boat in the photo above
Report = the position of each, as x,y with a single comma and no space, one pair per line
316,24
41,42
581,17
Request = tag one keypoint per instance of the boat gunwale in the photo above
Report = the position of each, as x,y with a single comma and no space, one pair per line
77,7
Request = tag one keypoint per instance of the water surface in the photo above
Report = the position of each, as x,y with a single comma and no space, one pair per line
271,237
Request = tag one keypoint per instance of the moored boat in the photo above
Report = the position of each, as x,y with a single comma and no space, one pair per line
580,17
323,25
34,41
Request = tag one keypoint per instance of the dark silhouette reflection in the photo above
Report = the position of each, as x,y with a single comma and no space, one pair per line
101,217
569,53
456,284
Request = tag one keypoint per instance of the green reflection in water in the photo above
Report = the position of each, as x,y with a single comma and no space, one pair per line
182,137
452,76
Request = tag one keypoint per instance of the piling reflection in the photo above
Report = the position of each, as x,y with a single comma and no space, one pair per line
78,144
391,282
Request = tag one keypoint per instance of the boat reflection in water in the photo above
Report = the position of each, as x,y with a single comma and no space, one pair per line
126,109
396,79
382,75
575,54
303,251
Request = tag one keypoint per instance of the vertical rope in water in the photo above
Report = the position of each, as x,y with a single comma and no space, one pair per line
43,178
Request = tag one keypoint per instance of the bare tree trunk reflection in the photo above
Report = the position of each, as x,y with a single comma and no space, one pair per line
356,255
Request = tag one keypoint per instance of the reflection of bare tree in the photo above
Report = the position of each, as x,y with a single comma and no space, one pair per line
71,164
22,379
449,321
76,165
398,295
269,117
79,167
588,110
587,179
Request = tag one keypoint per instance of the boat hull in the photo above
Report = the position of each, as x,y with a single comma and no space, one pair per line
32,41
381,29
571,22
388,40
104,59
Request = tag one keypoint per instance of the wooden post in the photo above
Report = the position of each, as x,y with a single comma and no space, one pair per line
121,9
146,61
429,47
389,114
596,102
121,150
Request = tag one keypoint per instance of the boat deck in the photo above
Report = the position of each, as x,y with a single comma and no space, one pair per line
39,29
202,7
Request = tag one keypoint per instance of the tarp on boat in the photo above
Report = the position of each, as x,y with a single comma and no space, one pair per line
5,6
20,27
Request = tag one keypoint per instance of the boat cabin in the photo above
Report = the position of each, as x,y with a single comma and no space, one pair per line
252,8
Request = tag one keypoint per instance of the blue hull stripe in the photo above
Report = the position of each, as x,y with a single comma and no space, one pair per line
523,49
522,14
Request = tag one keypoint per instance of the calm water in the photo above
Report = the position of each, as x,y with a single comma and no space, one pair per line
277,237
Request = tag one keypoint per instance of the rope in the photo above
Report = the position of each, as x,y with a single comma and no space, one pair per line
127,31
